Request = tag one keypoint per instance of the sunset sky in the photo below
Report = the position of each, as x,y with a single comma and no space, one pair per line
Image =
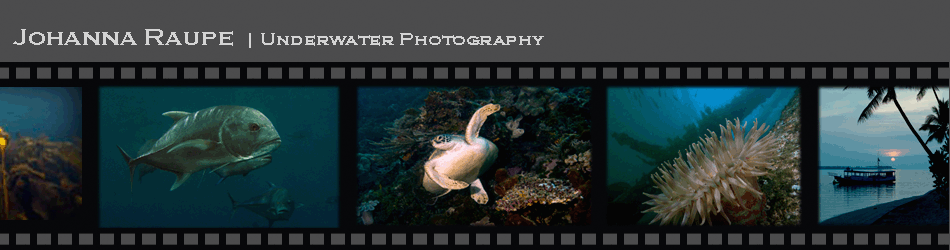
845,142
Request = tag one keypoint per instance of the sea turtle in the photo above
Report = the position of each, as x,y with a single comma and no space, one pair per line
457,161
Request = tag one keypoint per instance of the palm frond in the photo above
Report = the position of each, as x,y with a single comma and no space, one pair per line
936,124
889,95
922,93
876,95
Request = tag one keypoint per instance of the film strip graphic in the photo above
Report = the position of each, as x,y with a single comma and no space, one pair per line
347,235
666,71
465,239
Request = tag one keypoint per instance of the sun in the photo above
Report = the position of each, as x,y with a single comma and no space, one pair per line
892,159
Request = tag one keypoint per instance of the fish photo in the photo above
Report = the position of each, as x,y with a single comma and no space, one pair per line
41,151
703,156
212,157
883,156
474,156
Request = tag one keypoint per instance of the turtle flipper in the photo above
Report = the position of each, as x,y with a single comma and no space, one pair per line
478,192
442,180
475,124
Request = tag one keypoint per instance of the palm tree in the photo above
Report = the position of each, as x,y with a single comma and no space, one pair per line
923,91
885,95
936,123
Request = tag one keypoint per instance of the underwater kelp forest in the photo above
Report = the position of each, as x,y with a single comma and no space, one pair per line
41,150
486,156
718,169
42,179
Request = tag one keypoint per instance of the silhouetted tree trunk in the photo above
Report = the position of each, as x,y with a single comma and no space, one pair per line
922,143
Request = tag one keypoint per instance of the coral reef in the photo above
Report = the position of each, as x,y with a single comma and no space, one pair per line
365,212
532,190
366,206
43,178
718,177
580,162
550,124
513,126
782,183
483,222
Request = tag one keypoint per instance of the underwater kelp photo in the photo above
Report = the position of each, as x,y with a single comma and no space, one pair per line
733,175
474,156
42,178
41,147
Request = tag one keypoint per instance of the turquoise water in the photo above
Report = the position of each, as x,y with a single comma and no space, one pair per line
834,200
655,114
54,112
306,163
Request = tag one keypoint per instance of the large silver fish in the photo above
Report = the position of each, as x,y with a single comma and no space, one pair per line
239,168
210,138
273,205
145,169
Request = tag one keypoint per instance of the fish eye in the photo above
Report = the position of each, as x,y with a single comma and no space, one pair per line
254,127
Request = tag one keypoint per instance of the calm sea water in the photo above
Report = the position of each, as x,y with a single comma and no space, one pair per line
835,200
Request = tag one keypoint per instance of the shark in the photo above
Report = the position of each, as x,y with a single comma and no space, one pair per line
273,205
211,138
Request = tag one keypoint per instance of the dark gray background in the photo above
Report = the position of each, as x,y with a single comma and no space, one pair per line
576,31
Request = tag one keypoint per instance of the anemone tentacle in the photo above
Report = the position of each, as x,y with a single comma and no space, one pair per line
716,172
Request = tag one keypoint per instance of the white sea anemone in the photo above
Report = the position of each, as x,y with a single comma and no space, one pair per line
719,171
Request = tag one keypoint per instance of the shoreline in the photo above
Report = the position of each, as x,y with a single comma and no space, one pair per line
892,213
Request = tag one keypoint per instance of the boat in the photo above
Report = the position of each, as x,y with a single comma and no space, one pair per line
857,177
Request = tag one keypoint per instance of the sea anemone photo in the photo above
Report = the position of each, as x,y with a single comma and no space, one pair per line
742,170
